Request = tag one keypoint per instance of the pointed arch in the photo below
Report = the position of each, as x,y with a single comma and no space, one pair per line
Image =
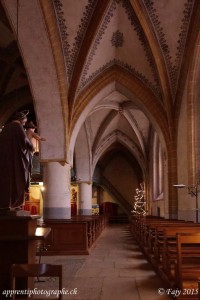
47,90
116,78
118,136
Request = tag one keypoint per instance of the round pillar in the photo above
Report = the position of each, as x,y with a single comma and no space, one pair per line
85,198
56,195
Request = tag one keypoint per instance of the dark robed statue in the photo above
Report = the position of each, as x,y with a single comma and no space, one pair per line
14,162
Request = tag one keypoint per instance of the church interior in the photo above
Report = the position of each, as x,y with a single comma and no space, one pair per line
112,86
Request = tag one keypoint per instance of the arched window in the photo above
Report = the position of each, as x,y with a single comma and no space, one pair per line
157,169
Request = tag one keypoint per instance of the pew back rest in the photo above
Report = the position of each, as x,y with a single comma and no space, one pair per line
188,246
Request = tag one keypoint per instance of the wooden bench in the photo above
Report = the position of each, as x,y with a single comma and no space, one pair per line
143,229
154,234
147,229
187,268
137,225
157,239
169,247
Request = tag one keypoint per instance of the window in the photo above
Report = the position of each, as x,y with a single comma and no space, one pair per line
157,169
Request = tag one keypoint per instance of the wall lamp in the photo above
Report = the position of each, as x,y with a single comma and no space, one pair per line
193,190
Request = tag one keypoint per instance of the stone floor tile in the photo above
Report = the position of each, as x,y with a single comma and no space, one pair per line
119,289
115,269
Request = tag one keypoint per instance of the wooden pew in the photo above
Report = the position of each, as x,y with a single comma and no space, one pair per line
137,225
157,239
148,227
143,228
187,271
157,235
169,247
153,239
146,230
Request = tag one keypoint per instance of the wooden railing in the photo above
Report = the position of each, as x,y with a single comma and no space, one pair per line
74,236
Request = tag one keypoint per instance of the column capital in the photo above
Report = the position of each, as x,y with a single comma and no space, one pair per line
62,162
84,181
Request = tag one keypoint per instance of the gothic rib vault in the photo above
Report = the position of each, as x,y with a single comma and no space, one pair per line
116,68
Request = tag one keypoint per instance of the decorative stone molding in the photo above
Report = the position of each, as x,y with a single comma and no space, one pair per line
117,39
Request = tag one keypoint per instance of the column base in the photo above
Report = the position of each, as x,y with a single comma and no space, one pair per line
85,212
57,212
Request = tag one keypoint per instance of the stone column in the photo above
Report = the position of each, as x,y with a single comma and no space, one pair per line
85,198
56,195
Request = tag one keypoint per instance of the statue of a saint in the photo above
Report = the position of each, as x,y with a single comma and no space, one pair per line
14,162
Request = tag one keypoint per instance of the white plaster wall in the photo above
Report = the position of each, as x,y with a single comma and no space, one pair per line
38,59
82,155
85,112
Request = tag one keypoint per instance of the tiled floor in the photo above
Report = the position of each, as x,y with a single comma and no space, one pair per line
115,270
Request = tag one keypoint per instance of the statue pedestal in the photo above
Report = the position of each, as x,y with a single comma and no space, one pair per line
18,242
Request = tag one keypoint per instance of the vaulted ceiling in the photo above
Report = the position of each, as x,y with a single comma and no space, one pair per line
148,40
